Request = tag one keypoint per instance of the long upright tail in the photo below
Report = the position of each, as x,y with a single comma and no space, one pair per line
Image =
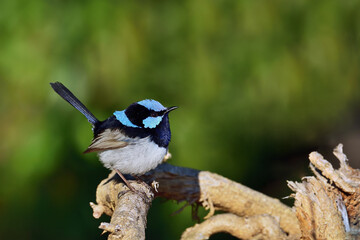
65,93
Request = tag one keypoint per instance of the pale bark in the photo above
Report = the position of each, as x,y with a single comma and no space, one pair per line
254,227
326,206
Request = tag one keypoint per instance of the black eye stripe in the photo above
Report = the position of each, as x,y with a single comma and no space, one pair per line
137,113
156,114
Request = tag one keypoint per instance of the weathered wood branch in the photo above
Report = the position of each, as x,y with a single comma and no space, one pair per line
327,205
212,191
128,210
254,227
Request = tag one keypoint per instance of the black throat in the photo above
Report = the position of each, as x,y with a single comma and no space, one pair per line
161,134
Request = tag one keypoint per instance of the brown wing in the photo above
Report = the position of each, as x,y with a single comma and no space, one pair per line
109,139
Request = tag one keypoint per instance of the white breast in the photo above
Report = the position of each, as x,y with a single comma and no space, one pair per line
139,157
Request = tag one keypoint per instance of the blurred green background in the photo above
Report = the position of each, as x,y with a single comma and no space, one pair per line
259,84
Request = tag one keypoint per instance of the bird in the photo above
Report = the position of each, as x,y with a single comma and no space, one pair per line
131,141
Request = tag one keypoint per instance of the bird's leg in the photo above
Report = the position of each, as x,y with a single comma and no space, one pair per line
124,179
154,184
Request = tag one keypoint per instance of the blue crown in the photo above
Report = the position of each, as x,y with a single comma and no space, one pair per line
152,105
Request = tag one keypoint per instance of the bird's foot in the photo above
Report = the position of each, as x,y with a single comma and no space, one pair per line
124,179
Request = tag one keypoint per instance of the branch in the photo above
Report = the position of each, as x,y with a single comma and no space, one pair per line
214,192
254,227
128,210
328,205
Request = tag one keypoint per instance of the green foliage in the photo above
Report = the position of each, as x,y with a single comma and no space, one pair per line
255,81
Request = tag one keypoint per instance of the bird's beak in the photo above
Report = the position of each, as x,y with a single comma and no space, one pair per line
170,109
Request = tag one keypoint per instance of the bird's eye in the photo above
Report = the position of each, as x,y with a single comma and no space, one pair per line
154,114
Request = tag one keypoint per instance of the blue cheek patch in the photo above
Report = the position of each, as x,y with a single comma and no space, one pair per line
151,122
121,116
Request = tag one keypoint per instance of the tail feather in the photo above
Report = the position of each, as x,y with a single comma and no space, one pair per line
65,93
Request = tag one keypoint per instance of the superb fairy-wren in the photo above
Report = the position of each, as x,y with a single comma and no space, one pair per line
132,141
